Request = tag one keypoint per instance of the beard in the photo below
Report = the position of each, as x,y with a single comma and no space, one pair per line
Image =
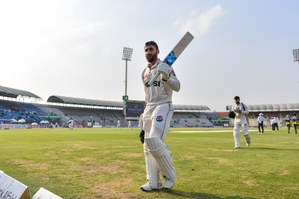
151,58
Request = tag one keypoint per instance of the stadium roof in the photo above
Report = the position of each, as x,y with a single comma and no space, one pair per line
103,103
269,107
82,101
191,107
14,93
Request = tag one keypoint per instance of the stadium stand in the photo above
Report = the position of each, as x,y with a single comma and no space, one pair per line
60,108
108,112
17,110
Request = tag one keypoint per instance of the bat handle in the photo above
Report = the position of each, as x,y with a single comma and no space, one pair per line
153,79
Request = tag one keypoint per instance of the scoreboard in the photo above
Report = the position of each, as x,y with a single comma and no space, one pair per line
133,108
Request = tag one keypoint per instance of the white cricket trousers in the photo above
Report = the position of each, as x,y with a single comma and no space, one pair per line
156,123
156,120
237,133
71,127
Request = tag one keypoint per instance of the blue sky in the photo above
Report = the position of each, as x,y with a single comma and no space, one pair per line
74,48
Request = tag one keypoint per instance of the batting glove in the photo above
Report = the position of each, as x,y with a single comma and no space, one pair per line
164,70
141,135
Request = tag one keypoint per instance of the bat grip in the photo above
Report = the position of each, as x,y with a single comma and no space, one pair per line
153,79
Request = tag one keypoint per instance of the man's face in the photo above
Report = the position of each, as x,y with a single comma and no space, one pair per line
151,53
237,101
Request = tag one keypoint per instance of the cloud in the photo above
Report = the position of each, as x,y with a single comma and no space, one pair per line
201,24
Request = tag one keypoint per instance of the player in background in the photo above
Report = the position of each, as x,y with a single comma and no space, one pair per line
156,119
118,125
288,122
261,120
295,122
71,124
129,125
240,121
274,123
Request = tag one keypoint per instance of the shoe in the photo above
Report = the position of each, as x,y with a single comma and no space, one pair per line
148,187
262,133
248,144
169,183
237,147
259,133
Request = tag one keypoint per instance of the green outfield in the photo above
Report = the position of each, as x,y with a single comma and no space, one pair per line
105,163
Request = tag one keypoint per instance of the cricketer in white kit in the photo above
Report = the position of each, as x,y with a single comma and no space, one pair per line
129,125
240,121
71,124
156,119
118,125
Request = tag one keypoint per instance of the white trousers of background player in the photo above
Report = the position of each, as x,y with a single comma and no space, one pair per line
237,133
118,126
71,127
130,126
156,123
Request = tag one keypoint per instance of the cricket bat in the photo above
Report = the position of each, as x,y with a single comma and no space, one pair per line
174,54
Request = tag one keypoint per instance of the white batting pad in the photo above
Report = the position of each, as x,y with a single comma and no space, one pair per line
152,170
237,137
162,156
247,138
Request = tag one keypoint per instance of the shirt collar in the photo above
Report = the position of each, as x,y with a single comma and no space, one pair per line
155,65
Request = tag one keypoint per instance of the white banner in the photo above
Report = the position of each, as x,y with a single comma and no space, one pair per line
45,194
12,189
13,126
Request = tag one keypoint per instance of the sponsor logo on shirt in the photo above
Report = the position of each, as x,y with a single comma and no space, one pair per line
159,118
245,124
145,76
172,72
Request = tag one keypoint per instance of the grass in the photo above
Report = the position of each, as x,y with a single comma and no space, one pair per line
105,163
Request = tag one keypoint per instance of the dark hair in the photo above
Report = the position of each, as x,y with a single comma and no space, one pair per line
149,43
236,97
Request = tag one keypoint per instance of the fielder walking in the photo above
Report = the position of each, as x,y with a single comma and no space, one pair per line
274,123
261,120
240,121
295,122
156,119
118,125
129,125
288,122
71,124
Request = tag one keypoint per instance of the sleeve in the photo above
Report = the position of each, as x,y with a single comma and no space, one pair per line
245,112
173,81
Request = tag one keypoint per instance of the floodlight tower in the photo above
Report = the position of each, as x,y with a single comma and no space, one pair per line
127,54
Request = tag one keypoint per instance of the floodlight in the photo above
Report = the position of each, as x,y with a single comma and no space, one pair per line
296,55
127,53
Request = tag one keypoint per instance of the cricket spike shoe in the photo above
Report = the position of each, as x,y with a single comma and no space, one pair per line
169,183
237,147
148,187
248,144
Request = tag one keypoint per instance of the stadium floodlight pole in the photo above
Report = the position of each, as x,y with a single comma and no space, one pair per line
127,54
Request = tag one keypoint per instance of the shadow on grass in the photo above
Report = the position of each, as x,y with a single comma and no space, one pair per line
181,194
276,149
